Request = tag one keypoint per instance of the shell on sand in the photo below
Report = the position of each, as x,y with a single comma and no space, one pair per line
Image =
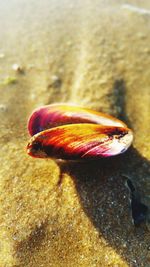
82,134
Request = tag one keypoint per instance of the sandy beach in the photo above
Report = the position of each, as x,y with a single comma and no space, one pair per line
95,54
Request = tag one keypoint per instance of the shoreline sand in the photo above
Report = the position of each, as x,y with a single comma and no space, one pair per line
91,53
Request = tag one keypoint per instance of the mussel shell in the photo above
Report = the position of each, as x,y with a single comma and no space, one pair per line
80,141
54,115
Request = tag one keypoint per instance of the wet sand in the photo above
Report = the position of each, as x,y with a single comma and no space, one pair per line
91,53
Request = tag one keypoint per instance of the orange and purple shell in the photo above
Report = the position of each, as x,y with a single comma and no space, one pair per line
71,132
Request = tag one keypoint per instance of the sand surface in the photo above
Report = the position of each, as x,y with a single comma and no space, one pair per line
96,54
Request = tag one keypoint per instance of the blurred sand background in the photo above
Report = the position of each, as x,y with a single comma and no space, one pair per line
96,54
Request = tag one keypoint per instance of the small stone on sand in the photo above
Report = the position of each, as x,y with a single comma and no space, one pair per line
3,107
16,67
2,55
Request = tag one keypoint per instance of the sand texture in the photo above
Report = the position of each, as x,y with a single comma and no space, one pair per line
95,54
